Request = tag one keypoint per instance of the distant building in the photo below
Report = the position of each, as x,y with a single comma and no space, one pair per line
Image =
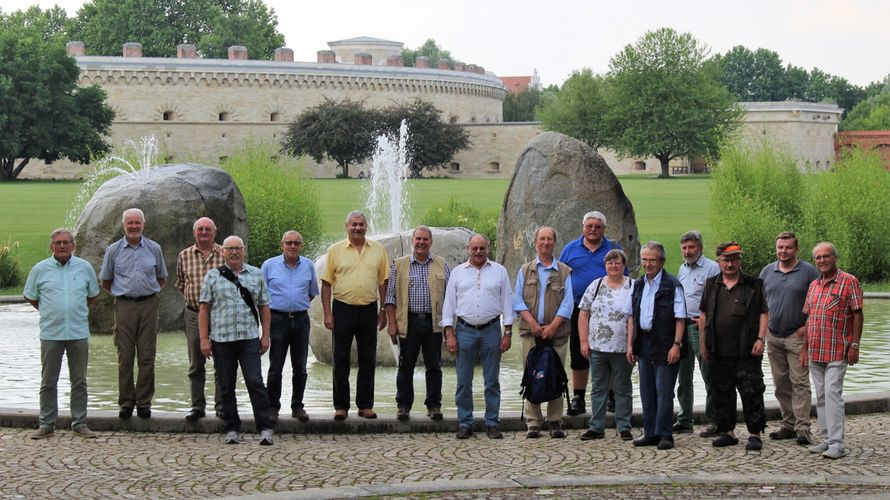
877,140
518,84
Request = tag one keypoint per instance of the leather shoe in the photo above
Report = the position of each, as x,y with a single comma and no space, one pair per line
193,416
626,435
434,413
725,440
666,443
754,443
300,414
647,441
589,435
340,414
367,413
804,437
125,413
783,433
709,431
143,412
682,428
464,432
556,431
493,432
533,433
402,414
576,407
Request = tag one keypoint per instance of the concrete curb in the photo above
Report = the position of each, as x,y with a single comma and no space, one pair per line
174,422
374,490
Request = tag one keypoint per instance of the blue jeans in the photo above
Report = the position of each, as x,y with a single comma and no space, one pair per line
610,368
288,334
657,383
228,356
485,343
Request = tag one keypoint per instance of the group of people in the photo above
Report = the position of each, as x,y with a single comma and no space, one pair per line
583,303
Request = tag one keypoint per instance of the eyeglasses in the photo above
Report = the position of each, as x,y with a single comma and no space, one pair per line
598,227
730,259
233,249
63,242
650,261
292,243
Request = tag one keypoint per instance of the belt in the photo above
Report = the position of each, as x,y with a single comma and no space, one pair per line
136,299
692,320
292,314
477,327
423,315
192,309
645,332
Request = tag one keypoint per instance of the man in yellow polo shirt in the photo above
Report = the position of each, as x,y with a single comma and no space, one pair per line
356,271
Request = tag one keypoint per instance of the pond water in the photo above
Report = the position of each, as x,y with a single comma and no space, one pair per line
20,371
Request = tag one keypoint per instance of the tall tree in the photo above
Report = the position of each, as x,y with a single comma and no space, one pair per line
432,142
752,76
160,25
870,114
578,109
431,50
664,101
43,114
521,107
343,131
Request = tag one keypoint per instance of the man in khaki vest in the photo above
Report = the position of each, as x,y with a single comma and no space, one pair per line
414,300
544,301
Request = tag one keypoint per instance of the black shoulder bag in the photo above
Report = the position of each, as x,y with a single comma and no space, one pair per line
227,273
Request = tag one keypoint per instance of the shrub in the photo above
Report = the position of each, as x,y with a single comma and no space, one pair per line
456,214
10,274
278,197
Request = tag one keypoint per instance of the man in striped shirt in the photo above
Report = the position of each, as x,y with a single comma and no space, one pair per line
834,328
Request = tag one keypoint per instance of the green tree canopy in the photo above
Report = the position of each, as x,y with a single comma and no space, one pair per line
521,107
663,100
160,25
431,141
344,131
429,49
870,114
578,109
43,113
752,76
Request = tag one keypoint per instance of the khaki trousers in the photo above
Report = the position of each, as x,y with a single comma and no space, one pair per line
135,336
792,382
534,418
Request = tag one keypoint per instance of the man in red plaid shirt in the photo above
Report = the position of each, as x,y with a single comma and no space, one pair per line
834,327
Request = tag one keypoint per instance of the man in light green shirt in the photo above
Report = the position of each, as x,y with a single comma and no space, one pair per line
61,288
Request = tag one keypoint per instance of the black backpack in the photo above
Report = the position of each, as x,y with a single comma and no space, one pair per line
545,377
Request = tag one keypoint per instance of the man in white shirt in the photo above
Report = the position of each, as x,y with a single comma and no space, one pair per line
478,294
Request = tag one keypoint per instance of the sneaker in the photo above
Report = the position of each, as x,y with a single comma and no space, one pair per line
589,435
532,433
783,433
754,443
576,407
232,437
42,432
724,440
709,431
434,413
194,415
493,432
834,453
626,435
804,437
818,448
84,432
266,437
682,428
402,414
144,412
464,432
666,443
556,431
300,414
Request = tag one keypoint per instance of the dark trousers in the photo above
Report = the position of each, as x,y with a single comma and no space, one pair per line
228,356
197,362
288,334
359,322
420,337
657,383
576,360
744,375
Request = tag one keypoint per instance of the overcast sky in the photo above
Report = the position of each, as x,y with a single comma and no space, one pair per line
848,38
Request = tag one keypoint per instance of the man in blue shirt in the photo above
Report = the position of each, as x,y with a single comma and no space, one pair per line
586,257
292,285
61,288
133,270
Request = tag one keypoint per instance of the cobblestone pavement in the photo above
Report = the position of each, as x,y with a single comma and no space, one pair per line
131,465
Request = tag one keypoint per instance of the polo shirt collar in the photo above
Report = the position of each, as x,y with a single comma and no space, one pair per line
656,281
468,264
551,266
697,263
284,261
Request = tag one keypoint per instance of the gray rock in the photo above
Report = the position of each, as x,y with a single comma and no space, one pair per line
556,181
172,197
450,243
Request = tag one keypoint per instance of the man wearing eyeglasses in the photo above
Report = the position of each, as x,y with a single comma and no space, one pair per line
191,265
292,286
734,318
233,321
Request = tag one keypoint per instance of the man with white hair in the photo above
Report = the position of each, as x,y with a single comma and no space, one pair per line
133,270
586,257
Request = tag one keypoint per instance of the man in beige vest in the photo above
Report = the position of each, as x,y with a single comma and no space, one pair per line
414,300
544,301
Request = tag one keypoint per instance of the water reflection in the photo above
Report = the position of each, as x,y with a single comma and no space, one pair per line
20,371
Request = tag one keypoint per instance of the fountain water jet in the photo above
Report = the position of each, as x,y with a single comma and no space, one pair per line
387,206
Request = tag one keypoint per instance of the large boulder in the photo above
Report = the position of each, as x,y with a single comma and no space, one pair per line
172,197
556,181
449,242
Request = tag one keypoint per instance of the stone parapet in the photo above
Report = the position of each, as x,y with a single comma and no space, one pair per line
132,49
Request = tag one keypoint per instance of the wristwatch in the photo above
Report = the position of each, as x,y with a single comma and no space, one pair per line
508,333
678,344
855,345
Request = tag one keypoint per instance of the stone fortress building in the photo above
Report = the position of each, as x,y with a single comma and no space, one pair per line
204,109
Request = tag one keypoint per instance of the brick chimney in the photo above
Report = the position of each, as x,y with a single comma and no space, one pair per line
75,49
443,64
327,56
422,62
395,60
132,49
363,58
237,53
186,51
284,54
